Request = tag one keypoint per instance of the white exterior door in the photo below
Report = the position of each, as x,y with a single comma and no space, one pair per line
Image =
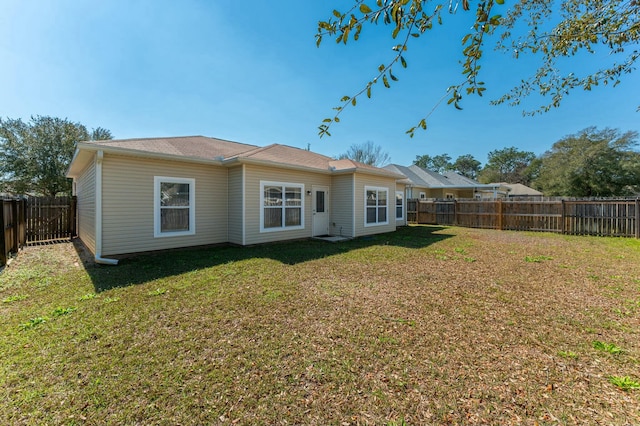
320,206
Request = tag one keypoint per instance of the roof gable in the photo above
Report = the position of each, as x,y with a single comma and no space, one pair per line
283,154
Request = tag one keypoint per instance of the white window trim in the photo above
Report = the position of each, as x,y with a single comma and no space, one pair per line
423,195
376,188
157,180
282,185
395,205
449,196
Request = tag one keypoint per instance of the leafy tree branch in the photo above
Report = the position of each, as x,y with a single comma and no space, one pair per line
554,30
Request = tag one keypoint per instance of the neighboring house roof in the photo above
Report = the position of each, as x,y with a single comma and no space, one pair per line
221,152
520,190
458,179
418,176
429,179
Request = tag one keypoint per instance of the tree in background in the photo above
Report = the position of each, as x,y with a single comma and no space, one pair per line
34,156
100,134
552,31
467,166
509,165
591,163
438,163
367,153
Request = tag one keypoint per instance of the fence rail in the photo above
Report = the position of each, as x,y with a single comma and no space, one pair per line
611,217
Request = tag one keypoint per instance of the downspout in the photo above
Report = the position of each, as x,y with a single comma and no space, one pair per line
98,255
244,204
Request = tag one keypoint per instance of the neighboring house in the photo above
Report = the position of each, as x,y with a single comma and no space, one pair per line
426,184
141,195
518,190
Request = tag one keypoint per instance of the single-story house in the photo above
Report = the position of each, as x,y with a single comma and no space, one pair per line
138,195
426,184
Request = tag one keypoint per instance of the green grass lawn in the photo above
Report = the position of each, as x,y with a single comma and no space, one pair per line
427,325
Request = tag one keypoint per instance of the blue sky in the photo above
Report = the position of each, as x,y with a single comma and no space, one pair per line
249,71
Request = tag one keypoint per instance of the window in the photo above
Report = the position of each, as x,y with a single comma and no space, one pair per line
423,195
375,206
282,206
449,196
399,205
320,201
174,206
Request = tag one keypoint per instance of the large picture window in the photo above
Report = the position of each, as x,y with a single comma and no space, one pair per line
376,206
399,205
174,206
282,206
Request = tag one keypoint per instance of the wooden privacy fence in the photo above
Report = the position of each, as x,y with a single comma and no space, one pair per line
611,217
34,220
50,219
12,219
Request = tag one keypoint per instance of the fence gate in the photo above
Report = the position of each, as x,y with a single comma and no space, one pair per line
50,219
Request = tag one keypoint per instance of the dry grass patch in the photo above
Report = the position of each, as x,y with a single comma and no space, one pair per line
423,326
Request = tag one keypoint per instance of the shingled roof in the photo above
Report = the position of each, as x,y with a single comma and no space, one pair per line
420,177
201,148
185,146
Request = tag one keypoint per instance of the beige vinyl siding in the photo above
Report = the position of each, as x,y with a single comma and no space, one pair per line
342,205
86,193
362,180
414,192
439,193
464,193
400,187
435,193
429,192
236,208
253,176
128,210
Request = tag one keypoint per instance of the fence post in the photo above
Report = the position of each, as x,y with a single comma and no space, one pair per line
562,217
23,222
3,238
637,217
500,214
455,212
16,225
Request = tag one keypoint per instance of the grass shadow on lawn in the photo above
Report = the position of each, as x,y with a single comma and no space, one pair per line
148,267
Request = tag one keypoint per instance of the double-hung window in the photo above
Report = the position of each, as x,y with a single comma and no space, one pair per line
399,205
376,206
174,206
282,206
